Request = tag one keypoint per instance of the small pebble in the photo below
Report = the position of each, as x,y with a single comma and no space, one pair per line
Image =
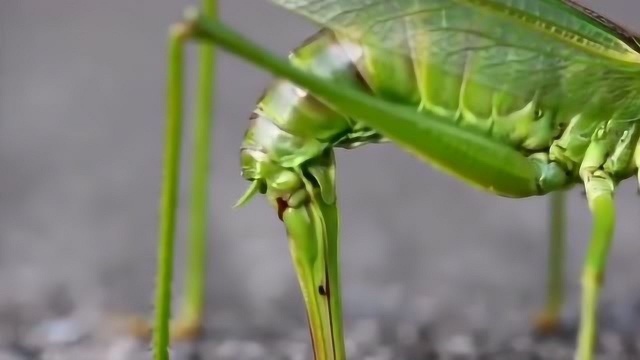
522,344
182,351
58,332
406,334
459,345
365,332
123,349
351,348
240,349
294,350
611,343
78,353
380,353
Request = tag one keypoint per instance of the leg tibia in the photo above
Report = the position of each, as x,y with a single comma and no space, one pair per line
169,192
189,324
599,187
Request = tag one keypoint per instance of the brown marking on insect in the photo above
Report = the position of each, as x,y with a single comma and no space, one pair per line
322,291
282,206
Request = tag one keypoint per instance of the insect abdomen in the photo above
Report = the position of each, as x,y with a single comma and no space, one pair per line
450,90
290,126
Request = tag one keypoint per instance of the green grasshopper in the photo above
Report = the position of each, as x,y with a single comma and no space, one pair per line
519,98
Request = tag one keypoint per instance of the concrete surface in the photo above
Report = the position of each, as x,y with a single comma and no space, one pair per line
81,129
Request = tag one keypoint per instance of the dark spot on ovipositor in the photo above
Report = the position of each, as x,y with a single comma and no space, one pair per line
282,206
322,291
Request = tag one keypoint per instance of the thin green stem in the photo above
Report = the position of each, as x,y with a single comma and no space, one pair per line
195,282
169,193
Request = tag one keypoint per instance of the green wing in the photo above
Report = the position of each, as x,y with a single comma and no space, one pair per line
541,43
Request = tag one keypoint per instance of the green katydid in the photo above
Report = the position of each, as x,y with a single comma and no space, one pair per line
516,97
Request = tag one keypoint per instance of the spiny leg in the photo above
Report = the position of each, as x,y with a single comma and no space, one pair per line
548,320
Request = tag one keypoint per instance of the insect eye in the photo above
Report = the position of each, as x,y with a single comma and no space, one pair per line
539,114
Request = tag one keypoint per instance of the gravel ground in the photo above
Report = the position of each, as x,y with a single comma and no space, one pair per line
80,336
431,268
368,339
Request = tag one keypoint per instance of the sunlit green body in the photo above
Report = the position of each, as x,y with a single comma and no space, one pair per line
516,97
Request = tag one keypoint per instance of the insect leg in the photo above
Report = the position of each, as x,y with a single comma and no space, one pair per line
189,323
169,193
600,188
188,326
548,320
600,196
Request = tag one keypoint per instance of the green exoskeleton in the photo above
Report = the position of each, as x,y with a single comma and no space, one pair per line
516,97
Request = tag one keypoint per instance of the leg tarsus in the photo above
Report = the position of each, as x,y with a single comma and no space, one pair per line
133,326
141,329
546,323
186,330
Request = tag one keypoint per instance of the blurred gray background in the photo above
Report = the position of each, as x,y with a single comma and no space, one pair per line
81,129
